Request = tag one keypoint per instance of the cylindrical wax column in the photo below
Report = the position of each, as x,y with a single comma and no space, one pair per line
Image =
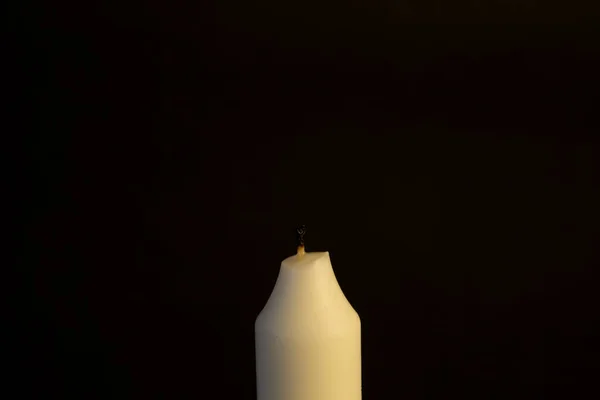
308,335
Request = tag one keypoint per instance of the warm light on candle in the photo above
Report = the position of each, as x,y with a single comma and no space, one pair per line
308,335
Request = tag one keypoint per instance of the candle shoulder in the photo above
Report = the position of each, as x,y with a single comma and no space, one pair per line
307,299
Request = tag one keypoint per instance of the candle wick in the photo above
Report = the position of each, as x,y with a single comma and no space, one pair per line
300,232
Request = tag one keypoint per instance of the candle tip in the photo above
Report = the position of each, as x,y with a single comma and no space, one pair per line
300,232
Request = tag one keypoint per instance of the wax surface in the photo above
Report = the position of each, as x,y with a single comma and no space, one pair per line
308,336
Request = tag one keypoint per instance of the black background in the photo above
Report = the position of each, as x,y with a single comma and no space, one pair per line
444,154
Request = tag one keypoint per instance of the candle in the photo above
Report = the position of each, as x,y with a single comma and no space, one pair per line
308,334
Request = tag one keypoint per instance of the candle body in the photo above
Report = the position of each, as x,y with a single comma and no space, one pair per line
308,336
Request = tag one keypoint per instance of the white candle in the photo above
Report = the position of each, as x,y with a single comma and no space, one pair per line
308,335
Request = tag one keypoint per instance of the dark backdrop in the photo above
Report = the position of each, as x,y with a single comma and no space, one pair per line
444,154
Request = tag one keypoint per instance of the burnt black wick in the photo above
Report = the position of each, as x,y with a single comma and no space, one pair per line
300,232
